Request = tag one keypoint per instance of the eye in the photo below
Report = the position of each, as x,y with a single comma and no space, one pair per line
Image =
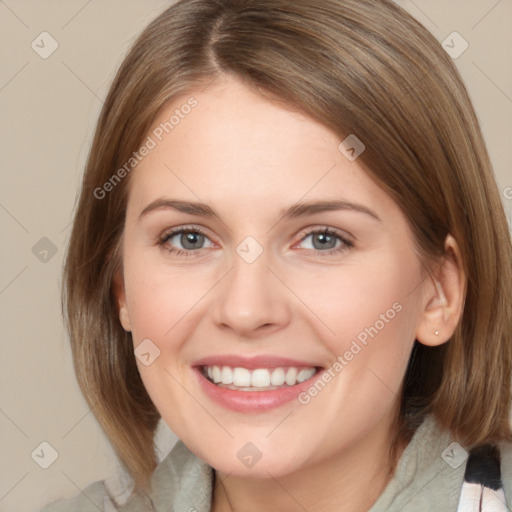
327,240
191,239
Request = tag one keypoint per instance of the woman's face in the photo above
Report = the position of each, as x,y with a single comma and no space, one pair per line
258,292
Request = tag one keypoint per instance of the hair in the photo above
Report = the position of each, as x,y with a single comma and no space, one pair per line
360,67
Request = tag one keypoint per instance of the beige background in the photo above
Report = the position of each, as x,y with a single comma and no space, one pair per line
48,111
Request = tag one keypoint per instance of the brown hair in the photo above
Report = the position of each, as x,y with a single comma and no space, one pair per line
360,67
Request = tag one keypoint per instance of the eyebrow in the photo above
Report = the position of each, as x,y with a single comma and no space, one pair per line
294,211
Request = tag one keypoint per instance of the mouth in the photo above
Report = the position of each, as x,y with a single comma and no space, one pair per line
254,385
259,379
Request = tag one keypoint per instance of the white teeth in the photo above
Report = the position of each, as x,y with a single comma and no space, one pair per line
241,377
291,376
278,377
305,374
227,375
216,374
258,378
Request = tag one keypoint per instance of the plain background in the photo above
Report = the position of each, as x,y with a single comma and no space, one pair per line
48,111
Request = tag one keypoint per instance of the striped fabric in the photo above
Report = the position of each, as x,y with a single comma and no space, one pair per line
482,490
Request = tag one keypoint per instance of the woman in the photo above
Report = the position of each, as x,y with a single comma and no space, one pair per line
289,246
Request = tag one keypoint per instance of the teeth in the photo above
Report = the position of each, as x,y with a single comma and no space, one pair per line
216,374
291,376
227,375
305,374
241,377
278,377
260,378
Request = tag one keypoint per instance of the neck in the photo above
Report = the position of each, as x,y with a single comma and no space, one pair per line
354,479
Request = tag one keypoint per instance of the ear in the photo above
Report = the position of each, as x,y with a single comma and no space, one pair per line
120,296
444,294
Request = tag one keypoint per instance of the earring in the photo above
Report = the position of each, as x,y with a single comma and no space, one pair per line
436,333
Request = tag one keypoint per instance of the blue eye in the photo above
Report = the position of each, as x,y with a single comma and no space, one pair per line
325,240
189,238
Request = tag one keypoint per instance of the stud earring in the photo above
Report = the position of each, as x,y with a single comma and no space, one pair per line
436,333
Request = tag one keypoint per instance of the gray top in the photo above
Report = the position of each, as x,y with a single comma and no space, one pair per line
428,477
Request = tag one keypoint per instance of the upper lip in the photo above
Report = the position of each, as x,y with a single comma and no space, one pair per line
252,362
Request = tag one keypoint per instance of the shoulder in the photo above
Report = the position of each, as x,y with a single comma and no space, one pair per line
181,481
431,473
91,499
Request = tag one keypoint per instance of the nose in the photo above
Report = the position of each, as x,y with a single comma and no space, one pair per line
251,300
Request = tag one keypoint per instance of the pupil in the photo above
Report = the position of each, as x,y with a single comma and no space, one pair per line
324,240
191,238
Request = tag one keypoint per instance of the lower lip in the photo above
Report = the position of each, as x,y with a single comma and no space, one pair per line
252,401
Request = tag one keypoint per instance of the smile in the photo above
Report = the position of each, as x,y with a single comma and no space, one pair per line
254,384
259,379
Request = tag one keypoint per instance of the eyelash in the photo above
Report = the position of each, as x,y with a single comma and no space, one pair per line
346,244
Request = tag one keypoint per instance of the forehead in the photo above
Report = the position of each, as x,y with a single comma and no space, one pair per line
227,145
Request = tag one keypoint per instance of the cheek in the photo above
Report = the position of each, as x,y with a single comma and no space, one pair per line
163,304
372,310
364,301
373,314
380,328
159,296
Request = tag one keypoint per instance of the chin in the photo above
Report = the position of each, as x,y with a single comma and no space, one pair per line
246,460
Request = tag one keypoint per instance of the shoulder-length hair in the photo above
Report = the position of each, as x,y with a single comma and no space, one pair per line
362,67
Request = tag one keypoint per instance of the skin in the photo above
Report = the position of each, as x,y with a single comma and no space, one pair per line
249,159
